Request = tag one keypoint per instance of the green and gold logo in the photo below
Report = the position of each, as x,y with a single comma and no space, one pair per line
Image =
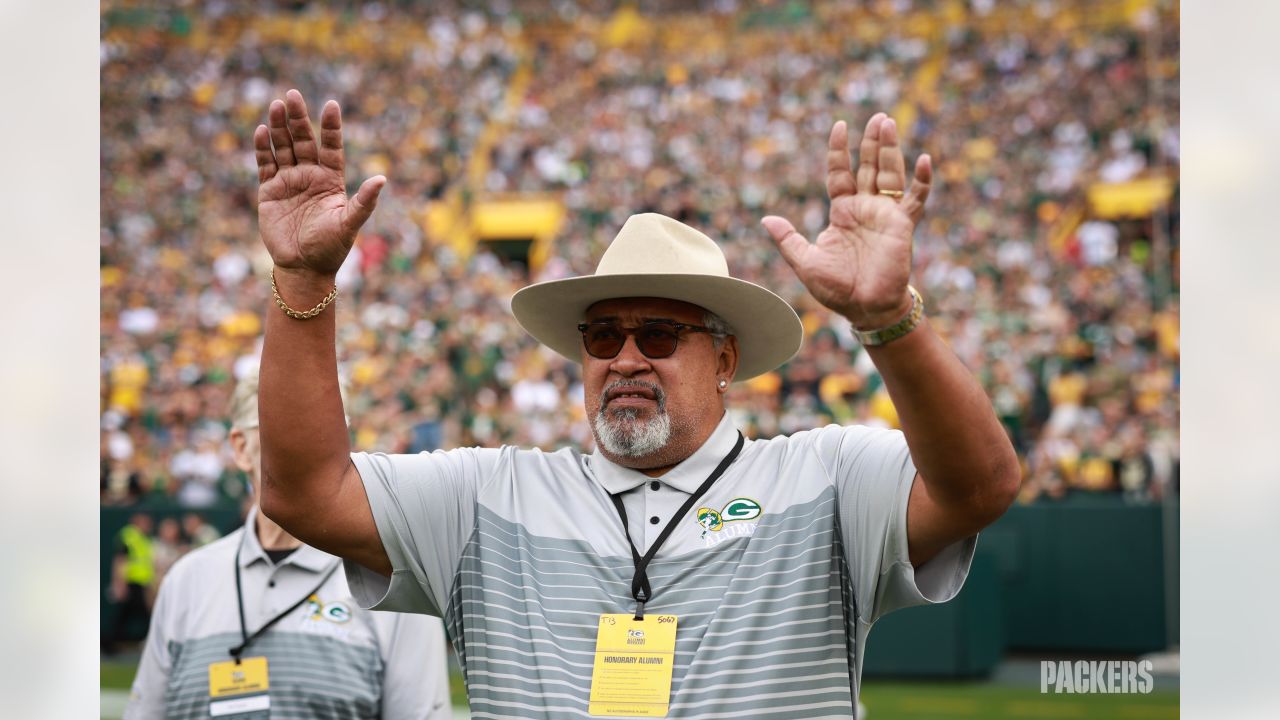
713,520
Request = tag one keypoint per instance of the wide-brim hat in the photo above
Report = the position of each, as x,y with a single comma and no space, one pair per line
656,256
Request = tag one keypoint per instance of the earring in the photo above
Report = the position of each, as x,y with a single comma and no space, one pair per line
724,384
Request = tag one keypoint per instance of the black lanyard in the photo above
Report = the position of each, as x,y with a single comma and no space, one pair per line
245,637
640,589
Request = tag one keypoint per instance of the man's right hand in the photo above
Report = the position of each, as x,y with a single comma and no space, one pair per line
306,219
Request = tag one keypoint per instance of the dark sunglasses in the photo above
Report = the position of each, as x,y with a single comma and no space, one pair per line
656,339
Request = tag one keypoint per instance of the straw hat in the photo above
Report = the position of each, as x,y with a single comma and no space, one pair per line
656,256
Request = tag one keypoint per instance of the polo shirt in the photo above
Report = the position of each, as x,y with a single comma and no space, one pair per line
777,574
326,659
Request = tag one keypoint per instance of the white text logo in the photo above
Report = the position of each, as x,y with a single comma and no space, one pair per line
1095,676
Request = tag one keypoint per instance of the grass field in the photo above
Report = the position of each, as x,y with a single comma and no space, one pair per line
902,700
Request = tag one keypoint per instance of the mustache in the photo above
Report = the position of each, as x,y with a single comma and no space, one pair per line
658,395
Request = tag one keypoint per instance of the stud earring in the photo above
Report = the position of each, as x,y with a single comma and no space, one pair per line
724,384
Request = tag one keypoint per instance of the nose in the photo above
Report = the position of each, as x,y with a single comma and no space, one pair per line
629,361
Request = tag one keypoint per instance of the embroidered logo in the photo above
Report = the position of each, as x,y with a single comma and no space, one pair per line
742,508
333,611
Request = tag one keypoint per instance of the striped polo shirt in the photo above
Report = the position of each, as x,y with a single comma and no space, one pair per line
326,659
776,574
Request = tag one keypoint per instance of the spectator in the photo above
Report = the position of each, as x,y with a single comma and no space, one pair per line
1022,116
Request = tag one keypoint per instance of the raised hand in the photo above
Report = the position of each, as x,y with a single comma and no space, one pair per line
305,218
860,263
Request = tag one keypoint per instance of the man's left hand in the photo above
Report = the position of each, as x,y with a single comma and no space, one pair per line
860,264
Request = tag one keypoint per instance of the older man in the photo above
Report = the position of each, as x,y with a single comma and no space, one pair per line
260,606
680,569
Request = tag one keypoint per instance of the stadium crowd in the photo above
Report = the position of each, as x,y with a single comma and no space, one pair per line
708,117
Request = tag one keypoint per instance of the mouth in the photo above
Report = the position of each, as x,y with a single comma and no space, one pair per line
632,395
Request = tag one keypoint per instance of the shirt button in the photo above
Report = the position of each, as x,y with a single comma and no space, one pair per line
654,520
654,485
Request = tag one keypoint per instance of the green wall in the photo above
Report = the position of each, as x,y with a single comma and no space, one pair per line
1085,574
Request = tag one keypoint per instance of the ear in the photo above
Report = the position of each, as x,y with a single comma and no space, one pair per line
240,450
727,360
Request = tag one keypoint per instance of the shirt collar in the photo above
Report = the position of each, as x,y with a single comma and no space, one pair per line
305,557
685,477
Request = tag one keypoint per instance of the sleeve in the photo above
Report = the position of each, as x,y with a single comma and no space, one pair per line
873,472
415,682
424,507
146,696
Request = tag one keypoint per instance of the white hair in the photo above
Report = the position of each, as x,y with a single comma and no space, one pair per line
621,432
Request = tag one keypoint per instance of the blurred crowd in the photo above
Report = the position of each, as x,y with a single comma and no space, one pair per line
715,117
141,554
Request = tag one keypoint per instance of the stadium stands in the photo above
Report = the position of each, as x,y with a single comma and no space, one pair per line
1048,259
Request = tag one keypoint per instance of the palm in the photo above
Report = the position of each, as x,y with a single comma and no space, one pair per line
305,218
859,265
300,213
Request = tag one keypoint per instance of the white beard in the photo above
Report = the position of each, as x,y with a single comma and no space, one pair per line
620,432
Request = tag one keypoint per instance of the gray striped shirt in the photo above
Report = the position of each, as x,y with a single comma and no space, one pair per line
777,574
326,659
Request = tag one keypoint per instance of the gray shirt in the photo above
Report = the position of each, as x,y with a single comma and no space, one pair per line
326,659
777,574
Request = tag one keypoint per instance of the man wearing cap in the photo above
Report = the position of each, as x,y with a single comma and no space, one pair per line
680,570
257,624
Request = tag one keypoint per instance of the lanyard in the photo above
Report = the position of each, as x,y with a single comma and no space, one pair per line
245,637
640,589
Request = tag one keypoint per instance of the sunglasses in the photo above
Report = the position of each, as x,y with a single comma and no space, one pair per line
656,339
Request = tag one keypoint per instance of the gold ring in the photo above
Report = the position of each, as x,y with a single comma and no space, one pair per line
892,193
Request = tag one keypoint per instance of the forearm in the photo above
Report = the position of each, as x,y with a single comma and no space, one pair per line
305,445
957,444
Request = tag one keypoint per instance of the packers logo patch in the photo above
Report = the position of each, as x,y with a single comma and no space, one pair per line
709,519
713,520
334,611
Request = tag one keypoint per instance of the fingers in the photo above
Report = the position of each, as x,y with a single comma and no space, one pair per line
869,154
262,153
304,141
331,136
891,173
839,170
791,244
914,201
280,138
363,203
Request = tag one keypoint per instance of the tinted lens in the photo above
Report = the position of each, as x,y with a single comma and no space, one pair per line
603,341
657,340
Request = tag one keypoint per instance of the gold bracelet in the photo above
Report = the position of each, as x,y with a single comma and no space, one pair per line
898,329
295,314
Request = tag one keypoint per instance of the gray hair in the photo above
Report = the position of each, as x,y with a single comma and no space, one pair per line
719,328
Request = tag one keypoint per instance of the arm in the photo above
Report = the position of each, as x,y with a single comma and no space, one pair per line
859,267
308,224
968,472
116,590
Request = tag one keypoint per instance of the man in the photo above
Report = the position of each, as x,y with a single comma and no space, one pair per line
578,585
259,601
133,571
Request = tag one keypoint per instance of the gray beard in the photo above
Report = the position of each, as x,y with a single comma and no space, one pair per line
620,432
